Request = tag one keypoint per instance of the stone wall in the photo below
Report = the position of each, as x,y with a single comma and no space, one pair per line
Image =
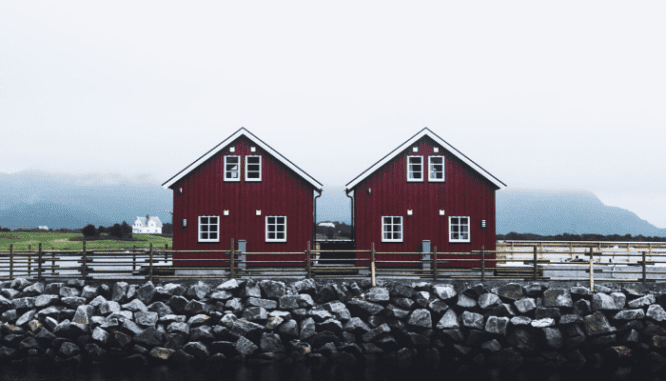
500,329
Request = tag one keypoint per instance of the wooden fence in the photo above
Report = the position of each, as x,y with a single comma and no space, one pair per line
586,263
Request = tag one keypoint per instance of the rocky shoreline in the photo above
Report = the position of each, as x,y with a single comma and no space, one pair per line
502,329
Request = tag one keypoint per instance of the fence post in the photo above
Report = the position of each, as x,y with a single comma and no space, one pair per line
483,266
11,261
434,263
571,252
134,258
39,263
536,273
372,265
309,261
591,271
29,259
644,268
84,271
151,262
166,247
232,264
53,259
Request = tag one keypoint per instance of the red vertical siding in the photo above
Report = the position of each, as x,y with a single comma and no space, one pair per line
464,193
280,193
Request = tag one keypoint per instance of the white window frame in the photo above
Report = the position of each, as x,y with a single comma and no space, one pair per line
408,169
276,224
209,224
460,225
402,229
247,165
227,171
431,172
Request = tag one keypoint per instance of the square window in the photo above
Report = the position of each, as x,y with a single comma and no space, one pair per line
252,168
459,229
392,229
276,229
414,168
231,168
209,229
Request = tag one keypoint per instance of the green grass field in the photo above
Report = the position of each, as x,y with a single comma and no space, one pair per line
60,241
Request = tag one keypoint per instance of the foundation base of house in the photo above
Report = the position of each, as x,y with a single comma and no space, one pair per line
200,272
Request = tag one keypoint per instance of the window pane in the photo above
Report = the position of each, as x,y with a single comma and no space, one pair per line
204,220
454,220
204,235
271,228
396,220
464,220
213,220
213,235
387,235
280,220
465,236
280,235
271,220
253,175
280,228
204,228
387,220
271,235
253,160
463,228
232,159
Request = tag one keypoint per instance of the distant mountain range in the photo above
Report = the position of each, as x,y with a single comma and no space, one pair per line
34,198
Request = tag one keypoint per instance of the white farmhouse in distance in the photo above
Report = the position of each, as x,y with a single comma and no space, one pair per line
143,226
327,224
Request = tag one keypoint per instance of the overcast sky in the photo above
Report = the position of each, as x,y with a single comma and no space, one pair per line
565,95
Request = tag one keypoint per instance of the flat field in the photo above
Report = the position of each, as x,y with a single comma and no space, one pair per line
61,241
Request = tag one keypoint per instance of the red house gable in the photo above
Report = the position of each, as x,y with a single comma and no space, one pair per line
245,190
424,190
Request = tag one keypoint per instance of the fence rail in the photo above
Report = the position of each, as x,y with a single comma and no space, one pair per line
589,261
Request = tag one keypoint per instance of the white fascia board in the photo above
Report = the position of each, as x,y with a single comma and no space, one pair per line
242,132
414,139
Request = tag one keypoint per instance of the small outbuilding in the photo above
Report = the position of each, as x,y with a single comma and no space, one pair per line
246,190
424,194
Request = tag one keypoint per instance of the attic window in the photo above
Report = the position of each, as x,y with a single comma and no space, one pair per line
232,168
414,168
252,168
436,169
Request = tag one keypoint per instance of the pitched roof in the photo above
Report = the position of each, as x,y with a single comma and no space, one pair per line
143,221
424,132
242,132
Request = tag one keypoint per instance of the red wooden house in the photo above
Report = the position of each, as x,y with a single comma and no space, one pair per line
245,190
424,190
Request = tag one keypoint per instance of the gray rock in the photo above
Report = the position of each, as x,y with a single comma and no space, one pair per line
602,301
176,288
393,311
543,323
198,350
9,293
230,285
202,333
420,317
472,320
97,301
69,292
132,327
161,309
245,346
570,319
290,329
547,312
305,301
307,329
525,305
402,290
289,302
523,339
135,305
29,343
235,305
270,342
438,307
597,324
642,302
150,337
221,295
376,333
332,325
364,308
465,301
146,292
656,312
633,314
356,326
510,292
582,307
109,307
161,353
69,349
84,314
403,303
177,303
177,327
273,289
553,338
619,298
245,328
489,300
557,298
304,286
73,301
263,303
521,320
251,289
422,298
285,315
378,295
90,292
339,310
119,291
198,319
24,303
34,289
273,322
146,318
100,335
444,292
497,325
26,317
449,320
198,291
255,314
578,292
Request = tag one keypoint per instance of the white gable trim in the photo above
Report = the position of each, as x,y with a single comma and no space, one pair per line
242,132
424,132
